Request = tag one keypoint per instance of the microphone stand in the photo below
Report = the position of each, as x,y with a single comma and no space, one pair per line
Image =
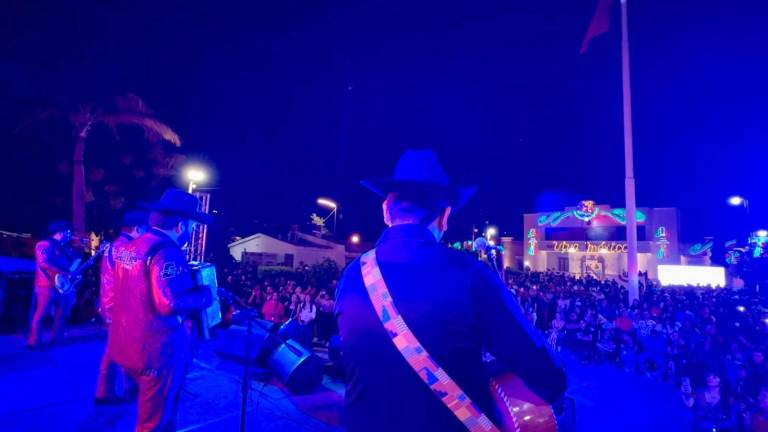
250,315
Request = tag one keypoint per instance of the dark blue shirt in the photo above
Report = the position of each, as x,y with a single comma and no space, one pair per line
455,305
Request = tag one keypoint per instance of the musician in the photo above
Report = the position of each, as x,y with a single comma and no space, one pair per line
154,293
53,256
133,224
454,304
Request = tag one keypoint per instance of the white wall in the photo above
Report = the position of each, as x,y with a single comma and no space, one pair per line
262,244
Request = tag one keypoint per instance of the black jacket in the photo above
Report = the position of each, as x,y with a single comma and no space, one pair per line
455,305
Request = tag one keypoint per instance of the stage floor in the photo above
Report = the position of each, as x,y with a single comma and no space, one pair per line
53,390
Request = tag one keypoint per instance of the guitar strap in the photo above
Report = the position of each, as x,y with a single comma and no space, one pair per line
445,388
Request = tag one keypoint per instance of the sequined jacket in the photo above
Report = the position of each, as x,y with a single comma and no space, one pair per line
153,292
106,290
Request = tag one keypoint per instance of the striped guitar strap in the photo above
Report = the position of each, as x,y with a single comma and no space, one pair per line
415,354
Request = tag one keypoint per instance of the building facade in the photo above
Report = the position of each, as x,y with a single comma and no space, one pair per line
591,239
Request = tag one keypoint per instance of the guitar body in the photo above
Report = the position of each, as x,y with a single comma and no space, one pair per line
67,284
518,408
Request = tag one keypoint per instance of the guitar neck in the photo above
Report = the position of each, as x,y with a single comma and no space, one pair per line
90,261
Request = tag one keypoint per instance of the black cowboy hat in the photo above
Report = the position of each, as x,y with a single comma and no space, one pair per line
134,218
419,171
179,203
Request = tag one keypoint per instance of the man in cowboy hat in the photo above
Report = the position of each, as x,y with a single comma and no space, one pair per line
153,295
455,305
132,225
52,257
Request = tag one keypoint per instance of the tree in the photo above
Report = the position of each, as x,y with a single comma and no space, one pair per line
127,110
321,274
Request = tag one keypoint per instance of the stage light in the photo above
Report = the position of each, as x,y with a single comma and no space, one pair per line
325,202
736,200
741,308
194,175
354,239
761,233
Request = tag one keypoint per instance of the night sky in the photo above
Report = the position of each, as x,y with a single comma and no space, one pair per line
289,101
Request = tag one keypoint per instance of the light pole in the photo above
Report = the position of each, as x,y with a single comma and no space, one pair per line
195,175
740,201
329,204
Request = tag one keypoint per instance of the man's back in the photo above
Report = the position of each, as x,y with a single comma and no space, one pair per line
455,305
147,270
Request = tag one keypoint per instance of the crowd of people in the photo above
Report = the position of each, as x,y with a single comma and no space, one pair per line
294,299
709,343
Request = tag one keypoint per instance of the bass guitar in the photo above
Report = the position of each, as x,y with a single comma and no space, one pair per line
68,283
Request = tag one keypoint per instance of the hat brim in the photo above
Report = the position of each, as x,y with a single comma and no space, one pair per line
201,217
457,196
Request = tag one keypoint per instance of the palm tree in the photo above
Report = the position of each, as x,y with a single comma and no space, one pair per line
126,110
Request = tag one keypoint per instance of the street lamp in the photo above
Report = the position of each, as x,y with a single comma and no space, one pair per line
738,201
195,175
329,204
491,232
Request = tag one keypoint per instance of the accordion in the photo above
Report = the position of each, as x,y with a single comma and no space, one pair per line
204,274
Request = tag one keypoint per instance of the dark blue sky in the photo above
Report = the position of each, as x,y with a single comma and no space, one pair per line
293,100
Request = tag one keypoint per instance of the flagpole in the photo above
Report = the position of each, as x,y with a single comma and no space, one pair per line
629,181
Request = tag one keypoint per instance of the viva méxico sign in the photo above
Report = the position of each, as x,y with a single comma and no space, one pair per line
589,247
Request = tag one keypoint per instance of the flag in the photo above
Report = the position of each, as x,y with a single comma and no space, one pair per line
600,23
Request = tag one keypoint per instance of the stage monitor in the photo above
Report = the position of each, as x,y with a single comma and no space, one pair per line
691,275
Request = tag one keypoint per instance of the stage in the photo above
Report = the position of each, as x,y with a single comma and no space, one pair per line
53,390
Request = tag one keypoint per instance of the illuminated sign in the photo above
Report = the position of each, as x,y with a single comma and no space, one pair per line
590,247
701,248
587,211
662,242
532,241
692,275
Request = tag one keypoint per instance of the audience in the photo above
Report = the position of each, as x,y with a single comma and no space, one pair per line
709,343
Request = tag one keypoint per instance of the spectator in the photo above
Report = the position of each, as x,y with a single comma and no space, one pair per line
273,310
325,320
306,312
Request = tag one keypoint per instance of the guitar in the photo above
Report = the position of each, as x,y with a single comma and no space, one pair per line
66,284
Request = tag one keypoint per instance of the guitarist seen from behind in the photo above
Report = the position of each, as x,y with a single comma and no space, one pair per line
454,304
52,257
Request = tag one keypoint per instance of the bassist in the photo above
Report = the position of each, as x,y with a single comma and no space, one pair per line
52,257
